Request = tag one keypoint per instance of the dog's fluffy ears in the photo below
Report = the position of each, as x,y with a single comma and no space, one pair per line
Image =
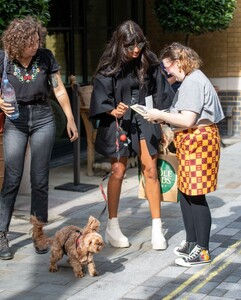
92,225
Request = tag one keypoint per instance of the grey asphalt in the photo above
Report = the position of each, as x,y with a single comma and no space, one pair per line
137,272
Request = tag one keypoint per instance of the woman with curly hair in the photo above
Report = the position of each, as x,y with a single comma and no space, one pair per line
127,73
194,113
34,73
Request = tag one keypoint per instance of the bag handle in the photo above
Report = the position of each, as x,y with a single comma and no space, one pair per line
163,149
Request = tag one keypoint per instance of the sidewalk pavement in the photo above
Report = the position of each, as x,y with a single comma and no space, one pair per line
137,272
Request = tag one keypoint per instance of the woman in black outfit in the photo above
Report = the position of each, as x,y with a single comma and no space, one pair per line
127,73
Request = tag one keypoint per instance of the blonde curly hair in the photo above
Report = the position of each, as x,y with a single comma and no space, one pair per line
189,60
19,34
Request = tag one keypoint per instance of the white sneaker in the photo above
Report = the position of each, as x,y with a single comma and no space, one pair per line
158,240
114,236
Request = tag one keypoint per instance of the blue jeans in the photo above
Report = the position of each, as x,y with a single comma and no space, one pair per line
36,125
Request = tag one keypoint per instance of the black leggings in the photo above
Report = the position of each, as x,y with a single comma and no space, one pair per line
197,219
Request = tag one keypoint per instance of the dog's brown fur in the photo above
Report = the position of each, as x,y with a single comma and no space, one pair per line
80,246
40,240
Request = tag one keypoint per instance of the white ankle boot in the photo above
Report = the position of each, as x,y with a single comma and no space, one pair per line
158,240
114,236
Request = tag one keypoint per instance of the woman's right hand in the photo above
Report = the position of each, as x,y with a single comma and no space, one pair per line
119,111
7,108
1,103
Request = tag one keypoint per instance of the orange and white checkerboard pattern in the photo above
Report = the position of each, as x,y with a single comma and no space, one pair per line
198,153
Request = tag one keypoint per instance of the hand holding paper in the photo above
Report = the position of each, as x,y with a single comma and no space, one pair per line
142,109
153,115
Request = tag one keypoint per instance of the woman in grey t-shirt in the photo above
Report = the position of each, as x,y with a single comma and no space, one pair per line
193,116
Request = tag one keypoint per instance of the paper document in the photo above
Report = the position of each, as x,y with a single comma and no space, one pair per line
149,102
140,109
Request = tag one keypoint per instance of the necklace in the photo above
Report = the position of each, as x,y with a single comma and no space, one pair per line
27,77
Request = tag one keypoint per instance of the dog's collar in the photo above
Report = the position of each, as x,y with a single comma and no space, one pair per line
76,242
78,239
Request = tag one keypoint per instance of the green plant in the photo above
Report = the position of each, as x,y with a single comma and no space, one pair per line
195,16
11,9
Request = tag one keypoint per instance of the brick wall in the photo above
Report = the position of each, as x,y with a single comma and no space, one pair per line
221,55
231,103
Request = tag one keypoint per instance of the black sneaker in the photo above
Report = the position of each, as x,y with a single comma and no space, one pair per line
197,257
5,252
184,249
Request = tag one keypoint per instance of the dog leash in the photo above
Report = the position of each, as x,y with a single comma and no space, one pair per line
117,143
104,194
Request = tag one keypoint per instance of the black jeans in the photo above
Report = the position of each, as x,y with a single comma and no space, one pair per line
35,125
197,219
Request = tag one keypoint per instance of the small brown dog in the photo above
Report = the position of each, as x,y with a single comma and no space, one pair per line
80,246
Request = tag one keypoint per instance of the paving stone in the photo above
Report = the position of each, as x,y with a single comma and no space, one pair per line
216,298
141,292
53,289
237,236
17,286
218,238
234,293
218,250
192,296
232,278
157,281
164,291
213,245
171,271
229,286
116,291
235,225
208,287
228,243
217,293
237,272
229,231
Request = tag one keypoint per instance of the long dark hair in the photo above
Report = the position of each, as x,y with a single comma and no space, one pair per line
115,55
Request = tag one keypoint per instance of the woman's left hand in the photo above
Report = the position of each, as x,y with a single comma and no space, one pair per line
153,115
72,130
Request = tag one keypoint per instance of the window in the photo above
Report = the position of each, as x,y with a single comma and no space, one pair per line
79,30
77,34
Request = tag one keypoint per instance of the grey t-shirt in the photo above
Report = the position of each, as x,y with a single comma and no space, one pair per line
197,94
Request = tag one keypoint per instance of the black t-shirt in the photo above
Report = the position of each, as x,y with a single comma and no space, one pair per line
32,82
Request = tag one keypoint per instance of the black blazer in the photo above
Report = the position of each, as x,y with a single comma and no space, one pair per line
108,92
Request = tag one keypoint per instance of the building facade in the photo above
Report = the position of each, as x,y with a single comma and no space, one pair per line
79,30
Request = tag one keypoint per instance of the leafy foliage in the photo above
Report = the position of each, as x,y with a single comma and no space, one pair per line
11,9
195,16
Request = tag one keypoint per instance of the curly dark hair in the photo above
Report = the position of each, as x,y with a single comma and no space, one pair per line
19,34
115,55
